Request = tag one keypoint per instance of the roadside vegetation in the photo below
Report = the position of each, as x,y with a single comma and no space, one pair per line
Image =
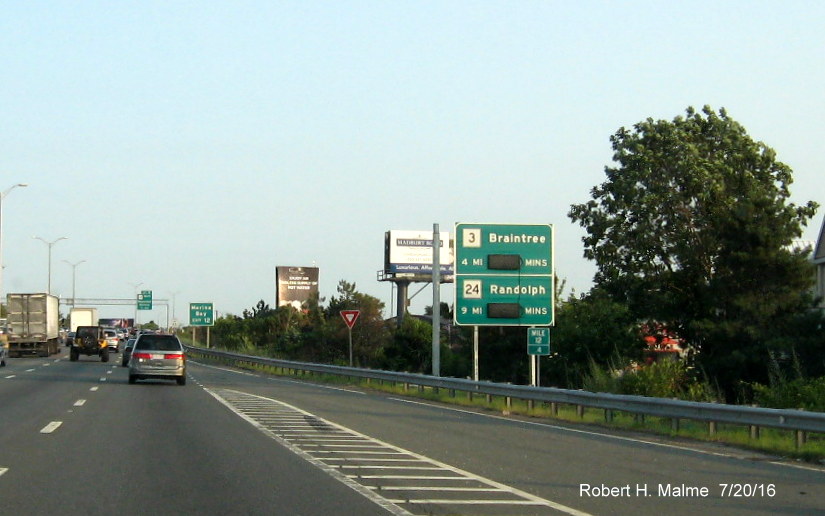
691,231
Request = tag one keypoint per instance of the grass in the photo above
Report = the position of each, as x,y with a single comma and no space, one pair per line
769,440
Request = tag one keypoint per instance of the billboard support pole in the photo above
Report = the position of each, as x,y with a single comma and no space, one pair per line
436,302
401,301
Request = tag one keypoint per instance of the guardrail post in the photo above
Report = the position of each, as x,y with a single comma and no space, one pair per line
711,428
754,432
801,438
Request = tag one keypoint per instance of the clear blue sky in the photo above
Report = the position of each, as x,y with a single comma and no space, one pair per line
193,146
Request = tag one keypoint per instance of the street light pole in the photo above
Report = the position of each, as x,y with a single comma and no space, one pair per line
3,196
174,319
135,286
74,274
50,244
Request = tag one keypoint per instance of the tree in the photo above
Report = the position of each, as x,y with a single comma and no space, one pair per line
591,329
370,333
692,229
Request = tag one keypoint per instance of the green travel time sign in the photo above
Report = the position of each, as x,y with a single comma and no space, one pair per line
484,300
504,249
504,274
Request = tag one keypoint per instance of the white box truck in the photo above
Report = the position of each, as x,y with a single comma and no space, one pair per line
33,321
82,317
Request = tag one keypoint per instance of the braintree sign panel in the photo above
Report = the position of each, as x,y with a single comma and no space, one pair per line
411,252
294,286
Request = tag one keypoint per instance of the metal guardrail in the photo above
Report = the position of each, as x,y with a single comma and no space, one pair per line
712,413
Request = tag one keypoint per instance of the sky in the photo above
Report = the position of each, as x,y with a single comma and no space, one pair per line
190,147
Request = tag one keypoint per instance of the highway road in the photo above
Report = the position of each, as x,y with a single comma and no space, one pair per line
76,438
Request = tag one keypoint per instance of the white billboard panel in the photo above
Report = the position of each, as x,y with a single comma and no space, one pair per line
411,252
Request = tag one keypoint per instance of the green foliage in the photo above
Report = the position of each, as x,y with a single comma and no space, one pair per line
801,393
662,379
369,335
590,330
410,349
691,229
601,379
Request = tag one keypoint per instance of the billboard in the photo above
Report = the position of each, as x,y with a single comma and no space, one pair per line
117,323
295,285
411,252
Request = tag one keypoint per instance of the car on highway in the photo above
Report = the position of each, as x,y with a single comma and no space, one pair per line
127,352
156,356
112,339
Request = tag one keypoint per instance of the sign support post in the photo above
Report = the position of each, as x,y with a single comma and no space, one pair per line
436,302
349,317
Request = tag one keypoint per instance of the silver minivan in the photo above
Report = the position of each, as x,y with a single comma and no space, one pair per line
157,356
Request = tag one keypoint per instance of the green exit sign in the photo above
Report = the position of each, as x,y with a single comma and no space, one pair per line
201,314
144,300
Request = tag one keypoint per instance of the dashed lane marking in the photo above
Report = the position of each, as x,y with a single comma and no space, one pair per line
399,478
51,427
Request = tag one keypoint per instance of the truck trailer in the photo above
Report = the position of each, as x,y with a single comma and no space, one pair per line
33,324
82,317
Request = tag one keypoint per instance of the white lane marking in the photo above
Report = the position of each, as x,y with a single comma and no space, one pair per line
94,389
367,493
279,379
51,427
608,436
250,407
79,403
3,470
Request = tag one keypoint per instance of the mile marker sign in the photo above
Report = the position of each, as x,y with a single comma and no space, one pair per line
350,316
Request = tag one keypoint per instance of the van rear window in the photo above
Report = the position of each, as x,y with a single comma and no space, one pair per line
158,343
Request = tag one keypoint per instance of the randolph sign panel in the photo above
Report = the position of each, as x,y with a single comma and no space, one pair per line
295,286
504,275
